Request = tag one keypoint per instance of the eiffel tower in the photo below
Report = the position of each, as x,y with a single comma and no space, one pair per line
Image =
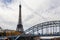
20,26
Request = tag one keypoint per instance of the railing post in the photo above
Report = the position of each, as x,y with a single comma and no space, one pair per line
37,30
53,29
33,30
42,30
59,28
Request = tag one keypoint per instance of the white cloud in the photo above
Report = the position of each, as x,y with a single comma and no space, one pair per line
9,15
46,10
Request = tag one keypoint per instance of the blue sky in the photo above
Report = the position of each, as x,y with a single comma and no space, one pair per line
33,12
7,1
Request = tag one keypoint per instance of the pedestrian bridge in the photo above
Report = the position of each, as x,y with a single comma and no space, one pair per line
50,28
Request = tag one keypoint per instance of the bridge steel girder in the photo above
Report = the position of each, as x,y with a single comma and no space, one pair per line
42,26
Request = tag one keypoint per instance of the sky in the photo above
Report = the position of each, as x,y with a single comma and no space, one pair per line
33,12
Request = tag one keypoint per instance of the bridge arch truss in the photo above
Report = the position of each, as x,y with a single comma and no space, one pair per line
50,28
